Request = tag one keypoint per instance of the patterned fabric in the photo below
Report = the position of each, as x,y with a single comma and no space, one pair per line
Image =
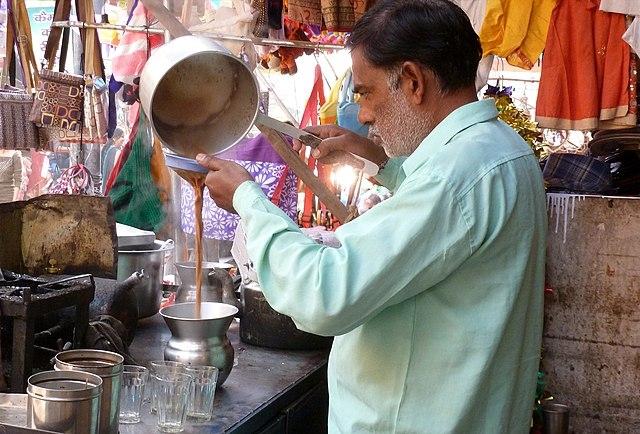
577,173
337,15
16,131
135,47
221,225
261,28
58,102
305,11
74,180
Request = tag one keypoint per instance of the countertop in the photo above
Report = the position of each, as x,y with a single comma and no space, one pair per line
261,382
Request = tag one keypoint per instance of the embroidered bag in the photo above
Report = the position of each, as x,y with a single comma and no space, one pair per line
62,105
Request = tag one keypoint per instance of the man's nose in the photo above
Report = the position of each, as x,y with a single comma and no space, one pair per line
365,116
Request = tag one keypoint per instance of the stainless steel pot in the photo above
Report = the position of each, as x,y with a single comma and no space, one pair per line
150,263
200,340
217,284
65,402
108,366
198,96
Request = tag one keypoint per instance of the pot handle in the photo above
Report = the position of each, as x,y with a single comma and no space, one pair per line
228,294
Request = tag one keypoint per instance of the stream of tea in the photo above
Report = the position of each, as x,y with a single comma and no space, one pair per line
197,182
198,186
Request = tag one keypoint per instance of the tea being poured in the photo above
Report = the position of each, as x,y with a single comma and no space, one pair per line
197,182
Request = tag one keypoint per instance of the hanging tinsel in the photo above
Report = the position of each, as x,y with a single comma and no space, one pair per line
516,118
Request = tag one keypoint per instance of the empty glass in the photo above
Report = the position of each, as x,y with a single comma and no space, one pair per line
162,367
171,393
202,391
134,379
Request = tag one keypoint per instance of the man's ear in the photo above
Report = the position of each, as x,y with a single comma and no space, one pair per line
415,79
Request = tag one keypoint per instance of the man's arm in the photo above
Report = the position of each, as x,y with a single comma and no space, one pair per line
398,249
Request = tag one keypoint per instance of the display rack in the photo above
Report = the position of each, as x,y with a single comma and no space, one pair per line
217,36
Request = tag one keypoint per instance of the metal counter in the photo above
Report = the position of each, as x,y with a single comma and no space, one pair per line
260,388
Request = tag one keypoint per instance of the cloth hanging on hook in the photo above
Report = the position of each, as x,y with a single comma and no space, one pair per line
135,47
516,30
585,72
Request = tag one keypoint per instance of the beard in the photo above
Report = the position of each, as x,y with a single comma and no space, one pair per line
398,128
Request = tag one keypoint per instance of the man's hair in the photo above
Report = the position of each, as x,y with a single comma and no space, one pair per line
436,34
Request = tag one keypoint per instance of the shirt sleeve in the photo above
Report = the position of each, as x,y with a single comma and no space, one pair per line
387,255
391,176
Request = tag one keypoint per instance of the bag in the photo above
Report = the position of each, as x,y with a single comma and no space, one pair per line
70,107
16,132
135,196
59,101
348,108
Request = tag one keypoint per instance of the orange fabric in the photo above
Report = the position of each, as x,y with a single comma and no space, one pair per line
585,68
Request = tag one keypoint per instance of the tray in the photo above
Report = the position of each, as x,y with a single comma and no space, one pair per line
13,409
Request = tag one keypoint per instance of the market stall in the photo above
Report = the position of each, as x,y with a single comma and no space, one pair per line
121,273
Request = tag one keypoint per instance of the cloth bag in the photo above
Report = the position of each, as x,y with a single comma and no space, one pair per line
16,132
71,107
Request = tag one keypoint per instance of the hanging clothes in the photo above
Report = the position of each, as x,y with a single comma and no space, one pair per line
626,7
516,30
585,69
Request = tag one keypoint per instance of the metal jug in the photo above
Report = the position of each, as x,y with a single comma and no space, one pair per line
200,340
217,284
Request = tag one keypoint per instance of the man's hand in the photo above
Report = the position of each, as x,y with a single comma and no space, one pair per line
339,144
223,179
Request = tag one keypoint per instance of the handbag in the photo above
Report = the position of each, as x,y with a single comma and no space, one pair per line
70,108
16,132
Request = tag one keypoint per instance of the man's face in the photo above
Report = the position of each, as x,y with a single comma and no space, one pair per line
395,122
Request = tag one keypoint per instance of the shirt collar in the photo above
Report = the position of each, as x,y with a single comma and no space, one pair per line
458,120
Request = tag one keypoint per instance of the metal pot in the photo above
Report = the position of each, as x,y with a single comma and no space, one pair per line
106,365
150,263
261,325
203,340
198,96
217,284
65,402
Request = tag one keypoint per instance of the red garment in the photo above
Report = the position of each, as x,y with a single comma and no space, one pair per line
585,68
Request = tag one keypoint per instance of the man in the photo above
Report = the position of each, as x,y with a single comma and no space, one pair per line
435,297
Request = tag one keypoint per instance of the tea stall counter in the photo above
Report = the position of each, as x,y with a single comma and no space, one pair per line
268,391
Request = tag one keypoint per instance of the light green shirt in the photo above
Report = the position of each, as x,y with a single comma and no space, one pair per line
435,297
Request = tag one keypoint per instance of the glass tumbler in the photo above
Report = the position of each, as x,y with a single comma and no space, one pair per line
162,367
202,392
171,393
134,380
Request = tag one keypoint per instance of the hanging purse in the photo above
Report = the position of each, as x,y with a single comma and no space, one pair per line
16,132
70,108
